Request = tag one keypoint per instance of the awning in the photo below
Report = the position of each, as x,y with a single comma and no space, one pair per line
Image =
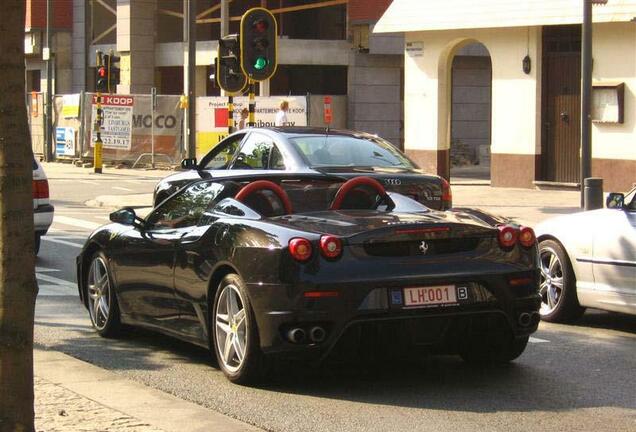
426,15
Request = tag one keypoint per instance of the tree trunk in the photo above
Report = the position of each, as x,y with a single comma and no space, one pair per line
18,287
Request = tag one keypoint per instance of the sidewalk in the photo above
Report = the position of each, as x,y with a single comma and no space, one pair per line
526,206
94,399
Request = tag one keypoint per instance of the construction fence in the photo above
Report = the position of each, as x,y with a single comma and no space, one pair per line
138,128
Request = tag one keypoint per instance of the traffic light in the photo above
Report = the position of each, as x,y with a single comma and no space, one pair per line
258,44
113,72
228,69
101,78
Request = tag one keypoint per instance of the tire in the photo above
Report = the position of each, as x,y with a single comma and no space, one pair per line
101,298
559,302
38,241
489,352
240,358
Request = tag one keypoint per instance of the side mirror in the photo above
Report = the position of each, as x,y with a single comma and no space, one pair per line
188,164
615,200
125,216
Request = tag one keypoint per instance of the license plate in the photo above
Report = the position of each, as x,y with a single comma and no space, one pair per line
430,296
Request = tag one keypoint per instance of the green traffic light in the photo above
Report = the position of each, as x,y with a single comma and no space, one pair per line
260,63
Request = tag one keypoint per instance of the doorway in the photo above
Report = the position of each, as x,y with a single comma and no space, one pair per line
561,104
471,108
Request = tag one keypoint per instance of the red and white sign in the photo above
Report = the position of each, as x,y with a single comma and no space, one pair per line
327,110
117,124
430,296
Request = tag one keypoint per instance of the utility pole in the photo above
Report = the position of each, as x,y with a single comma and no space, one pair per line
190,36
48,124
586,96
225,30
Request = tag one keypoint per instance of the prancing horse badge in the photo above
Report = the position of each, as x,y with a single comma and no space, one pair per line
423,247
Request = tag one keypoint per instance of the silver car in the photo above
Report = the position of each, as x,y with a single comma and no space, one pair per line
588,259
42,208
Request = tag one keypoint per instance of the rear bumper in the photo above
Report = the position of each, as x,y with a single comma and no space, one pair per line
43,218
493,306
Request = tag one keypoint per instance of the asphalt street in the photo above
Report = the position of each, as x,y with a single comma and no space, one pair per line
571,377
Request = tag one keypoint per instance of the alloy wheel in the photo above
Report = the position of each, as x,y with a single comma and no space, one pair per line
99,300
231,328
551,287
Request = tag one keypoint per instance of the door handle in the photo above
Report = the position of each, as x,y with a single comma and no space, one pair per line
565,116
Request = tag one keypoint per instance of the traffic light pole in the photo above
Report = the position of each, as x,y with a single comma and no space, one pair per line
586,96
230,114
252,104
97,151
48,133
190,31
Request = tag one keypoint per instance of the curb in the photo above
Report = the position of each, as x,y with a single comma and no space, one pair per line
153,407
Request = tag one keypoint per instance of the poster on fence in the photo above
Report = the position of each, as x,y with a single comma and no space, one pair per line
212,116
117,122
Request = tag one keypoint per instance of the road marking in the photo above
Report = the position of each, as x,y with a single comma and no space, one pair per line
64,242
54,290
88,182
122,189
537,340
65,220
57,281
45,269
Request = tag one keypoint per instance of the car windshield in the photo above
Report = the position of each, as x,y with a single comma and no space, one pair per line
349,151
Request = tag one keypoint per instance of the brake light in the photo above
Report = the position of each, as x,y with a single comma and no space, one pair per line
527,237
40,189
330,246
447,195
300,249
507,236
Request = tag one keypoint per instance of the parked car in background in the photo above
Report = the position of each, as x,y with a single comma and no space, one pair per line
588,259
326,153
259,269
42,208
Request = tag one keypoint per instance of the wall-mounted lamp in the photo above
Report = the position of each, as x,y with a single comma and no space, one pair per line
527,64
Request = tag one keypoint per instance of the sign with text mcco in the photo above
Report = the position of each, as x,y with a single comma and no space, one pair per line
117,121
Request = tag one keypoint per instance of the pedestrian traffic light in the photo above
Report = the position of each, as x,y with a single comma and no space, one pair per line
113,72
101,77
258,44
229,75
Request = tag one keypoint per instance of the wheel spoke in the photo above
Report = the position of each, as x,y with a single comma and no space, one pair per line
239,318
223,326
228,303
103,307
228,349
233,303
96,310
238,349
558,282
543,287
553,262
552,300
96,271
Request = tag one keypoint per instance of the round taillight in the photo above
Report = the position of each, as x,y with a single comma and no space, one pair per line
330,246
300,249
507,236
527,237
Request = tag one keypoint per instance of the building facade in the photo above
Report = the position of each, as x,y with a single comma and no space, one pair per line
325,47
534,91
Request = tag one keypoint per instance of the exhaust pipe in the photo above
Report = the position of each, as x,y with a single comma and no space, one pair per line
317,334
536,317
525,319
296,335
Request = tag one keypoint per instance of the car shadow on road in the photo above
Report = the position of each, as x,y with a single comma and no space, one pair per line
608,321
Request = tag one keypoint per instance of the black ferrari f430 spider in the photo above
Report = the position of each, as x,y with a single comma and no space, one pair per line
302,266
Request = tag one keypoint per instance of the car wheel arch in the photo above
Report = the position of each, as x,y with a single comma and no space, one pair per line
220,271
87,254
568,253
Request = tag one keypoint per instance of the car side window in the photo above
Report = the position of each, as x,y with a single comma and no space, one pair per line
259,152
186,208
221,155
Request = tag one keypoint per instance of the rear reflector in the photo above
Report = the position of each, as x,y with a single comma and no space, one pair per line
526,237
40,189
507,236
330,246
321,294
520,281
300,249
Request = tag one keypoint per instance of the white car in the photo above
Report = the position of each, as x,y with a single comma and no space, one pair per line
42,208
588,259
